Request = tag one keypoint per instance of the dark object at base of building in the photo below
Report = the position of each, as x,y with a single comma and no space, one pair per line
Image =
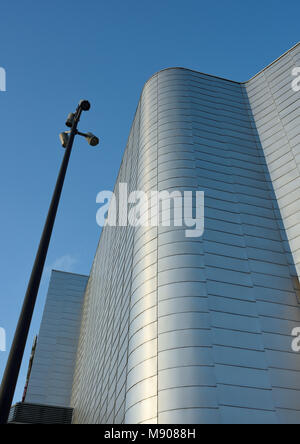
23,413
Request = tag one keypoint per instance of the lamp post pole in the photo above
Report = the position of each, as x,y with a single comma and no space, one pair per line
14,361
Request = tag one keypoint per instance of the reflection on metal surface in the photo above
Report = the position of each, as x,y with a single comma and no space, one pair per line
179,330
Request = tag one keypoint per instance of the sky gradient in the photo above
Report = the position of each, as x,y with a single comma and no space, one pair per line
59,52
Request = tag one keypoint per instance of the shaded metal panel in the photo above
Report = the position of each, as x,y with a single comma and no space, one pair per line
52,372
274,107
25,413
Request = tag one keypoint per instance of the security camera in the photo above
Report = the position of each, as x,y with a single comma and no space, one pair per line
70,120
85,105
92,139
64,138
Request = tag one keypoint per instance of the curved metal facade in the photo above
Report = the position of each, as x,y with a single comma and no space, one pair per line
179,330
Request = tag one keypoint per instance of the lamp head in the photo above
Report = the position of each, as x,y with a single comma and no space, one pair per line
92,139
70,120
85,105
64,139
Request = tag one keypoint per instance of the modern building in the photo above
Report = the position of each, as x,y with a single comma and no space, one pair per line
199,330
53,360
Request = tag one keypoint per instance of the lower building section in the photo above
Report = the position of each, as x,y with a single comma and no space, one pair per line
24,413
52,363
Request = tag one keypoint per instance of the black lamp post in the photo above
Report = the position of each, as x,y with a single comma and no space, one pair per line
14,361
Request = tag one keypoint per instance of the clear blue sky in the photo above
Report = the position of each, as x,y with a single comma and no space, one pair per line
58,52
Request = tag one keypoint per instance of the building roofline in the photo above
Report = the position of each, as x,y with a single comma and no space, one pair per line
223,78
69,272
272,63
190,70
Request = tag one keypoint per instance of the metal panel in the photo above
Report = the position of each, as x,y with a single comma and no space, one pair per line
25,413
52,372
197,330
